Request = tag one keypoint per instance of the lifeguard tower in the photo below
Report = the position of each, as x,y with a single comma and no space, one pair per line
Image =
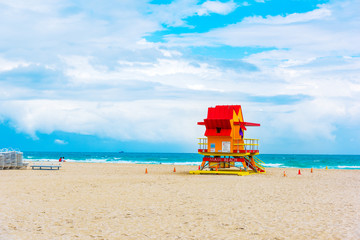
224,147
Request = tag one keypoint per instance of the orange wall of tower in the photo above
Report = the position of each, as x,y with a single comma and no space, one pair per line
217,140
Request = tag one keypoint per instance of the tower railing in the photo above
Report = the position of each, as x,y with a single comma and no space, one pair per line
251,144
246,145
203,144
239,145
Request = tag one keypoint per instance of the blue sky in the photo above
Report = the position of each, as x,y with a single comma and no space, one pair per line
138,75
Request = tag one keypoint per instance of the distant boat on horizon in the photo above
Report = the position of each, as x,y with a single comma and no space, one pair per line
121,151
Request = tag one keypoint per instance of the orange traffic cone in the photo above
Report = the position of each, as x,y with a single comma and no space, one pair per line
174,169
284,174
216,168
299,173
146,170
311,170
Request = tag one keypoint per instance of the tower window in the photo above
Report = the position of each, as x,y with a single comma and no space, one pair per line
218,130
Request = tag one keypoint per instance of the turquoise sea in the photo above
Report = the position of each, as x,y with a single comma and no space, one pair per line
271,160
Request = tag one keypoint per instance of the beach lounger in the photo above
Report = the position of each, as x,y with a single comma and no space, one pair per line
46,166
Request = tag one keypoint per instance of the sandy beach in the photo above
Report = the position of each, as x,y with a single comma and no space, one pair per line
120,201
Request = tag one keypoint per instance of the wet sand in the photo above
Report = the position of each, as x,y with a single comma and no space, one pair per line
120,201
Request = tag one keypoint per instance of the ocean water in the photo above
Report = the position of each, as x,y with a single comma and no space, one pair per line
270,160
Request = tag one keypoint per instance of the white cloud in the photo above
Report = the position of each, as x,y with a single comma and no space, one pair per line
168,53
6,65
175,13
150,120
331,29
209,7
65,27
316,14
175,72
61,142
38,6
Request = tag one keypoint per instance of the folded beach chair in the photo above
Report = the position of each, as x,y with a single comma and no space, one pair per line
13,160
19,161
1,161
7,160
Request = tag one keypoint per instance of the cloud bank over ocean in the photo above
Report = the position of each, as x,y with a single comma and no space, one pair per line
146,71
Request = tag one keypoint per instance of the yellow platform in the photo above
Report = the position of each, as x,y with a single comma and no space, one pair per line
220,172
229,172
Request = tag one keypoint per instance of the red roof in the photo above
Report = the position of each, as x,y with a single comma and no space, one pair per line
223,112
218,118
217,123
